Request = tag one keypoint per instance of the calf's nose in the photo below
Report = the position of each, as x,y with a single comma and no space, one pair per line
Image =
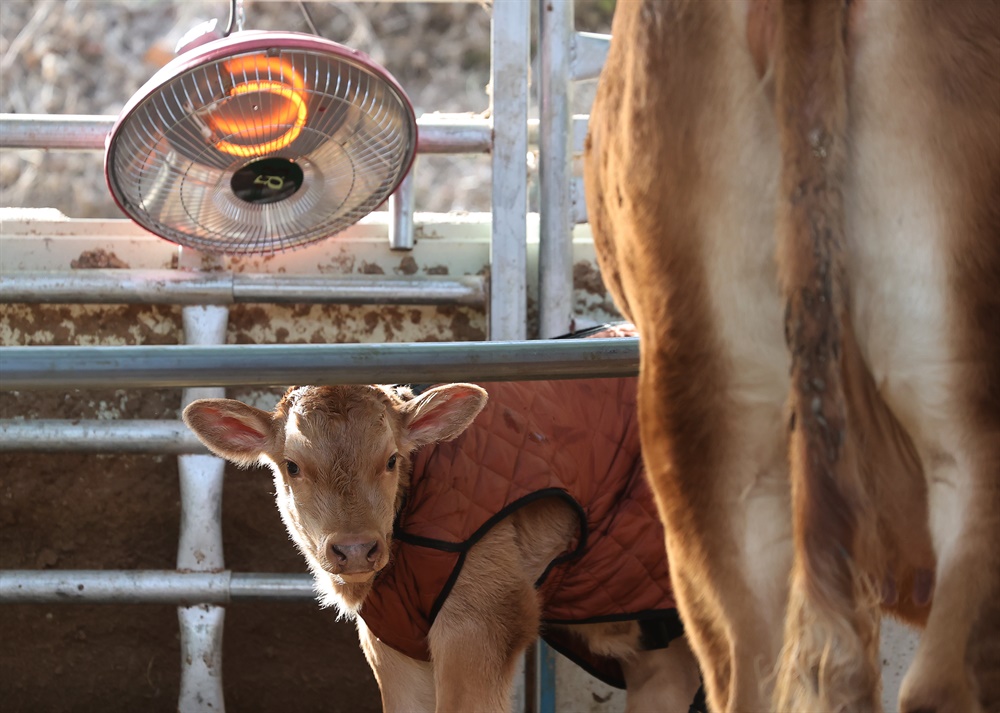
354,556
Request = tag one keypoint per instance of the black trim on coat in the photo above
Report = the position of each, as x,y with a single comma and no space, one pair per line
462,548
585,665
651,637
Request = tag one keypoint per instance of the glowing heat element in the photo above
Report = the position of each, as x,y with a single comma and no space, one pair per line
262,75
266,147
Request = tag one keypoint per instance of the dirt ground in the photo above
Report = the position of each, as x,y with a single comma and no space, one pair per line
122,512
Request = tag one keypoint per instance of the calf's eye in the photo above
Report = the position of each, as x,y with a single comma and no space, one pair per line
292,467
392,462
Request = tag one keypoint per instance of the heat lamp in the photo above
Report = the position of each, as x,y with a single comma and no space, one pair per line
260,142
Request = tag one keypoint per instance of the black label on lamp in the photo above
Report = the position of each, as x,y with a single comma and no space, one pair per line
267,180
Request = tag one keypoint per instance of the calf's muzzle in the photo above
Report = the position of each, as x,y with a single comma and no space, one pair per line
350,555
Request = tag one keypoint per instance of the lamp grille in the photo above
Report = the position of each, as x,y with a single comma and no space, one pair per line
260,142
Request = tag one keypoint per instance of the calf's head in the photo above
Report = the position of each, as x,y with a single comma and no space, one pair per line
341,458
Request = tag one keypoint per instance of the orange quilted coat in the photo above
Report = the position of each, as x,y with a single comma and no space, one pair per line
577,440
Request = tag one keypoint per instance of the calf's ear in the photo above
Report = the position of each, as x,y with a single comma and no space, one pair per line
442,413
230,429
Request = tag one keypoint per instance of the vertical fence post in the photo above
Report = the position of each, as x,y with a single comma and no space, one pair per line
401,213
546,679
510,37
510,33
555,249
199,546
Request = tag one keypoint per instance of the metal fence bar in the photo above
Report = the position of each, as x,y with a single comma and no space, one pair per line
44,131
555,229
555,256
116,286
28,368
547,693
149,587
401,212
436,133
394,1
510,37
590,52
126,286
93,436
367,289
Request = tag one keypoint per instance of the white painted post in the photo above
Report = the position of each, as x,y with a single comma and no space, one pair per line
200,543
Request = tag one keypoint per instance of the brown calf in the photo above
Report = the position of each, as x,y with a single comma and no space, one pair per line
375,492
798,204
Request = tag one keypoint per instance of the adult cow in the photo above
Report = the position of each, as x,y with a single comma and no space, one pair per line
798,204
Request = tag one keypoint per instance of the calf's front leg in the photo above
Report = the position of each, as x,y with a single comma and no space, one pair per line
486,623
407,685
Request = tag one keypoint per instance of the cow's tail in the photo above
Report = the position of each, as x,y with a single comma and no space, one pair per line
831,633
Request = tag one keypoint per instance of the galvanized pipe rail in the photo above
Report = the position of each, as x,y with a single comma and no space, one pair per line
436,133
149,436
39,368
128,286
555,249
199,545
509,51
126,586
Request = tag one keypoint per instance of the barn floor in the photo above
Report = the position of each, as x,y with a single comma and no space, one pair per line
89,511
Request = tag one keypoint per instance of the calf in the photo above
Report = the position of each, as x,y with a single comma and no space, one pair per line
453,545
798,204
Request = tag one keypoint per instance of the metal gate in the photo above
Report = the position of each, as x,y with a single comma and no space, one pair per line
514,245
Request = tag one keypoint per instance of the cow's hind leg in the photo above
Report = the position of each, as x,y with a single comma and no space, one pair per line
957,666
722,488
943,677
681,172
925,277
